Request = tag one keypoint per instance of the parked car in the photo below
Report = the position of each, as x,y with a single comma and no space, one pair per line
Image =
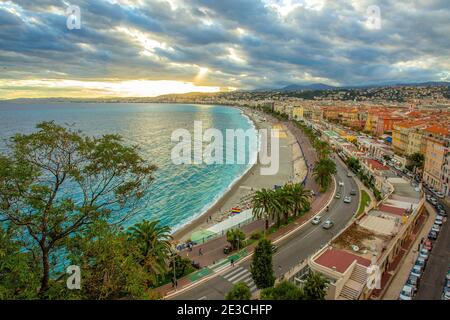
442,213
421,262
428,245
327,224
316,220
347,199
413,281
353,192
436,228
407,293
428,197
432,235
439,220
446,294
417,270
433,201
227,249
440,195
440,206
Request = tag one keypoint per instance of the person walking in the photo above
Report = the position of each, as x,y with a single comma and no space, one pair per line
232,262
200,253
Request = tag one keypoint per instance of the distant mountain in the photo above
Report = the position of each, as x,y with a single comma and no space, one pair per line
321,86
313,86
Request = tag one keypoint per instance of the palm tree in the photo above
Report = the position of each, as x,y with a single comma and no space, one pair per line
323,171
153,241
235,237
262,205
322,148
300,196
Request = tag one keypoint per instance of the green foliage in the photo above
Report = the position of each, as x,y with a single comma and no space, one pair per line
257,235
152,239
416,160
322,148
240,291
315,287
283,291
261,267
236,238
43,171
353,164
323,172
18,276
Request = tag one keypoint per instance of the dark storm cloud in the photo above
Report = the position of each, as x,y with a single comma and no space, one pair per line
244,43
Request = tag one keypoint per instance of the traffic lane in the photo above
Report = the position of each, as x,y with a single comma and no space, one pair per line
295,248
433,280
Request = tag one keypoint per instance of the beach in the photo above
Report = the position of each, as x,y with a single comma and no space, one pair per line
291,168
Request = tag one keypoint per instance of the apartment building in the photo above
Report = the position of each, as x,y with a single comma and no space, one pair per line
436,167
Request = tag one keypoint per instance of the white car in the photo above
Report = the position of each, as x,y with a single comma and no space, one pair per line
438,221
417,271
341,183
436,228
406,293
348,199
424,254
316,220
439,195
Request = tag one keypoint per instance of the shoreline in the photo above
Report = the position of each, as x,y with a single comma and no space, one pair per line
249,181
199,221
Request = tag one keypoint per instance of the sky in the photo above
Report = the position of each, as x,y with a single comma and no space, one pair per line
148,48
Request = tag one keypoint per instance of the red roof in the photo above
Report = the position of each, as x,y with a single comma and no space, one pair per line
390,209
376,164
339,259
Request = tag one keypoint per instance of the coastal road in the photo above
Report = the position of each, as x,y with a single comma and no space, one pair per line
291,250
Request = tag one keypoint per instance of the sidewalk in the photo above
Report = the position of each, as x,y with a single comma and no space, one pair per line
402,274
213,258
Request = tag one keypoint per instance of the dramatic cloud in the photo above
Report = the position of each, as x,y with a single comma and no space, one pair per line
162,46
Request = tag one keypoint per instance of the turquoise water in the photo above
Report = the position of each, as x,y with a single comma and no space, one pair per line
180,192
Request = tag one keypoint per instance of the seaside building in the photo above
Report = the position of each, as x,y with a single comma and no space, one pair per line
378,239
436,167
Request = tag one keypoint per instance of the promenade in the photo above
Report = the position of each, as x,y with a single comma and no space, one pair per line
210,255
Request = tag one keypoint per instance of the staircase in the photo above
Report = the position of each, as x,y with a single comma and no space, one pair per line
355,284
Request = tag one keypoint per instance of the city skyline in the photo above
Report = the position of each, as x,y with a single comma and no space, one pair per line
149,48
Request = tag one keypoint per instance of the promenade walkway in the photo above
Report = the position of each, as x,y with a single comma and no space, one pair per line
210,255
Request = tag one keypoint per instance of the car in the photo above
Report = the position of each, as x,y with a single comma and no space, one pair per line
338,195
413,281
436,228
417,270
327,224
347,199
438,221
316,220
341,183
407,293
433,201
349,174
440,206
227,249
428,245
353,192
428,197
440,195
446,294
442,213
421,262
432,235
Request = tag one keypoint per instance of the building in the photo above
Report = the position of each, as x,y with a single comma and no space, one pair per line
436,167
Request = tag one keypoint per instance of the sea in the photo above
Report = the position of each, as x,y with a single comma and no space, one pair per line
179,193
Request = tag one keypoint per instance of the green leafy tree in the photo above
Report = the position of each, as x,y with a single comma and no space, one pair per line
55,182
236,238
416,160
323,172
315,287
153,240
18,279
300,196
353,164
283,291
261,267
322,148
240,291
110,265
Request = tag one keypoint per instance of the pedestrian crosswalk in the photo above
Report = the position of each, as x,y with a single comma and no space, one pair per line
240,274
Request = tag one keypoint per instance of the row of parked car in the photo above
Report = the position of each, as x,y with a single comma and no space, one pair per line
413,282
446,291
